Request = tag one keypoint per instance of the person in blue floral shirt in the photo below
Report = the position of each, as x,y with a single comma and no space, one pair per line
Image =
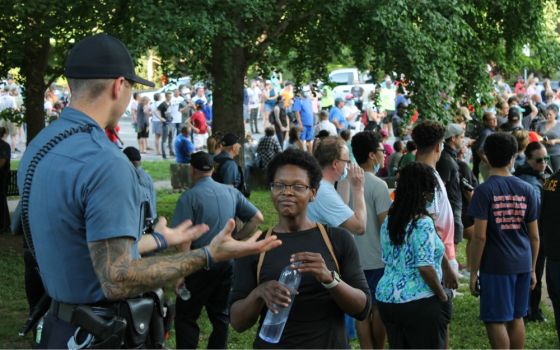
414,306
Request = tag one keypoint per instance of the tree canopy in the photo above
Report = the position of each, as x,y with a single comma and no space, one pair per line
443,46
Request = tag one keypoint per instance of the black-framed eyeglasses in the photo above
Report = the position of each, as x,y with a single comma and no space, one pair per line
347,161
279,187
381,150
544,159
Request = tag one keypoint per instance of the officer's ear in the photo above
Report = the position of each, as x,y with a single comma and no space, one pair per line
119,86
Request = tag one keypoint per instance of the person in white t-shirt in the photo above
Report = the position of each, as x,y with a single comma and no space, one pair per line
254,93
351,112
199,96
177,105
325,124
428,137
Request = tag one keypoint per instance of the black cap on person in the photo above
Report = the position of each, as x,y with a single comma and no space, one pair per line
133,154
101,56
202,161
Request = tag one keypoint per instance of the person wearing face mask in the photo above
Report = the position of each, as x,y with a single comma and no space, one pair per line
329,207
368,152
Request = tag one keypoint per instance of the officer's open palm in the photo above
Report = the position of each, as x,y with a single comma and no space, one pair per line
185,232
225,247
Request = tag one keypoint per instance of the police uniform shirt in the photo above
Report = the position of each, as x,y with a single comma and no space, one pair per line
212,203
84,190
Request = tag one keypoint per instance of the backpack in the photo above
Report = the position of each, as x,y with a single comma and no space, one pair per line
242,187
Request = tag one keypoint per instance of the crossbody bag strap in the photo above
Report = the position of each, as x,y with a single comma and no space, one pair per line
28,179
329,245
261,258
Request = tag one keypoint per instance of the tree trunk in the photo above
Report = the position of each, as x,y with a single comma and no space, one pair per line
228,70
34,70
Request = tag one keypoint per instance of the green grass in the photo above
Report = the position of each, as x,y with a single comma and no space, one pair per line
466,331
159,170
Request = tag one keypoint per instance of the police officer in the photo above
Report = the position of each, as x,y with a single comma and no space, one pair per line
214,204
81,200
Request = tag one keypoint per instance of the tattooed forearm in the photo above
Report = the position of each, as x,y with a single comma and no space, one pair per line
121,276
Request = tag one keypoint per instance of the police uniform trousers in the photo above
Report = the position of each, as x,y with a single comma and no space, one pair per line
210,289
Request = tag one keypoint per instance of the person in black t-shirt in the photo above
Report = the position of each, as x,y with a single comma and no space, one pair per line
5,156
549,222
167,127
316,319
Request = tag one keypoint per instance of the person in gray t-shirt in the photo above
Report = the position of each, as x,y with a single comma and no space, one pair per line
368,152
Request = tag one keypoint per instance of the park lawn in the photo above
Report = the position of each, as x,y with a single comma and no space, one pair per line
466,330
159,170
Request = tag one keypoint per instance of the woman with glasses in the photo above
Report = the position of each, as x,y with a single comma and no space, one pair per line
332,280
536,168
414,306
550,131
535,171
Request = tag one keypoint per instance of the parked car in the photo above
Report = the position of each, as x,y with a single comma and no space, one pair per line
345,79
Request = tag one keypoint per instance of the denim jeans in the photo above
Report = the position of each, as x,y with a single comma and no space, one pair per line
167,135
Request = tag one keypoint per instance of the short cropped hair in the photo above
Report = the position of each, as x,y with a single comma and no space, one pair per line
428,134
269,131
299,158
410,146
500,148
87,88
363,143
329,150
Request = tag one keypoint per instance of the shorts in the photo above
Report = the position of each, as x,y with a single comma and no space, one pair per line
307,133
268,108
157,127
144,133
200,140
504,297
372,277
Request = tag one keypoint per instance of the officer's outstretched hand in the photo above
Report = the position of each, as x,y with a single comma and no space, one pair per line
185,232
225,247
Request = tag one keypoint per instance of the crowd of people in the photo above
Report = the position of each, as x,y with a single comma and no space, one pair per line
386,258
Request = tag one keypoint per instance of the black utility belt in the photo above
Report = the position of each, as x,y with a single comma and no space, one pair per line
130,323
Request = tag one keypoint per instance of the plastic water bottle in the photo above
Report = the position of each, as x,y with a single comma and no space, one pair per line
273,324
39,331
